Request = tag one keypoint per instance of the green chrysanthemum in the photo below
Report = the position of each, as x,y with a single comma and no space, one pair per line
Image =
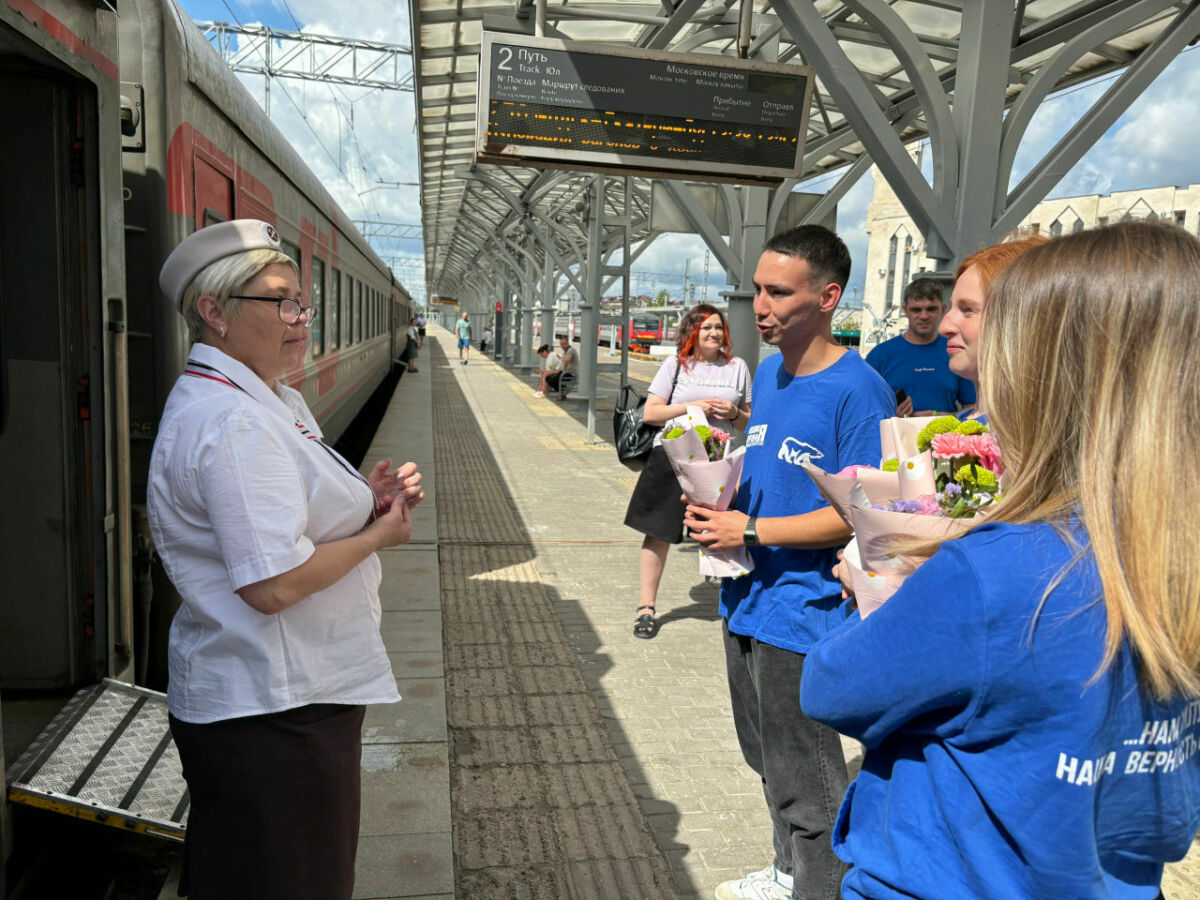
891,465
978,477
703,432
673,433
940,425
971,426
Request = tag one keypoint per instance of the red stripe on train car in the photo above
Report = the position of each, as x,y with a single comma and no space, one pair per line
66,37
326,375
344,394
254,198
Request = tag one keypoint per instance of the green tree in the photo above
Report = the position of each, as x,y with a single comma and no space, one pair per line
663,298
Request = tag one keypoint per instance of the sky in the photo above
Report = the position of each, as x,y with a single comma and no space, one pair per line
361,142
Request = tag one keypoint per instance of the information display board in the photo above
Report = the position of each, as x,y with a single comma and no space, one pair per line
544,101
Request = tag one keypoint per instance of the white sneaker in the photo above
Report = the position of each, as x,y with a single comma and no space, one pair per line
765,884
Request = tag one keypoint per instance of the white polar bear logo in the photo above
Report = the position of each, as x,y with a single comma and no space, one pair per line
798,452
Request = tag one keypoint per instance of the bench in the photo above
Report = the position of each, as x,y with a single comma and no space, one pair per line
568,382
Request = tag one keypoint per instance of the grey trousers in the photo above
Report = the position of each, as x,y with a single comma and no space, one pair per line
800,762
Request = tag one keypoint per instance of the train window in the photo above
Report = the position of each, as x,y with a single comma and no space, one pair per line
318,307
358,319
335,311
348,319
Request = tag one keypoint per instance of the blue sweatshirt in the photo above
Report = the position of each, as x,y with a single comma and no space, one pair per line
993,768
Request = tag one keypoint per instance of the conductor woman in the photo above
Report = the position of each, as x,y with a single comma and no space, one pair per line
269,536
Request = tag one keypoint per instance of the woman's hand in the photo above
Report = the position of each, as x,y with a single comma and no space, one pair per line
387,485
393,527
715,530
722,409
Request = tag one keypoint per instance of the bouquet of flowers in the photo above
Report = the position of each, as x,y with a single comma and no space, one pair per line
937,474
708,473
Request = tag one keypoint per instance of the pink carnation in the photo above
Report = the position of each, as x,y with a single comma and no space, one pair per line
721,436
852,471
983,447
952,444
988,452
929,505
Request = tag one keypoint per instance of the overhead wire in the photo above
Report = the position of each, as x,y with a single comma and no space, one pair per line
303,113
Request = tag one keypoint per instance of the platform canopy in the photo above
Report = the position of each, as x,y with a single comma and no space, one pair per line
888,73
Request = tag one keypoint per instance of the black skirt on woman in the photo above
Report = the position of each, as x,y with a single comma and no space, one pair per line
655,508
275,804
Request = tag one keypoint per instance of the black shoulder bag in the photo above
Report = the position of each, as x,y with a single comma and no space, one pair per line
633,437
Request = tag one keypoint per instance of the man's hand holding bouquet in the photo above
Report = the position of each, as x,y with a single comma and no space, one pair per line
708,473
937,475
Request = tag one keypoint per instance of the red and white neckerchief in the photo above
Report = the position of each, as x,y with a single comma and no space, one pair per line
200,370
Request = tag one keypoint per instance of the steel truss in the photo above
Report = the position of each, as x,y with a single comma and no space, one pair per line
259,50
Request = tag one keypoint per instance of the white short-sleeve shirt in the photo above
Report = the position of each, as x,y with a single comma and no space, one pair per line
241,488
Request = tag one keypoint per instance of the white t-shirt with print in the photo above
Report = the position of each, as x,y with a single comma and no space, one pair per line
725,379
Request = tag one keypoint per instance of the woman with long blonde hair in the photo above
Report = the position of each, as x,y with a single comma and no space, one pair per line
1030,697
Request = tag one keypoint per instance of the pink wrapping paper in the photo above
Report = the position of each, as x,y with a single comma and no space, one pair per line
876,531
880,487
898,436
709,483
871,589
915,474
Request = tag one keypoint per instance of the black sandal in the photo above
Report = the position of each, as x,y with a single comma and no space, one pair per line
644,625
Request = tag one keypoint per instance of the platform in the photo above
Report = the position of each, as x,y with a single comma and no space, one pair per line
541,750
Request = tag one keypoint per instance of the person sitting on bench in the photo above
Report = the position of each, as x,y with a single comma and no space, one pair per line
551,381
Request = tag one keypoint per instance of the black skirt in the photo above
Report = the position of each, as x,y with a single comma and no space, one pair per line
655,508
275,803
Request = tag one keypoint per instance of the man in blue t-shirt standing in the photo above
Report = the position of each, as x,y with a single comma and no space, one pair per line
916,362
817,401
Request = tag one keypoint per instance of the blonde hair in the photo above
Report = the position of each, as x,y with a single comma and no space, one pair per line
1090,372
224,277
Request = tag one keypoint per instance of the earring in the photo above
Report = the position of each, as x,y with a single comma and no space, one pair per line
222,332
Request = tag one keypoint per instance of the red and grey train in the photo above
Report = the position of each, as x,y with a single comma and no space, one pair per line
125,133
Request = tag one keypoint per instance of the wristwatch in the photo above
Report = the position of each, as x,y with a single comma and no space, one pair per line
750,535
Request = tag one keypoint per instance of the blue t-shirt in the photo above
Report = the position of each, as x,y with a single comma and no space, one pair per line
923,370
463,327
993,769
832,417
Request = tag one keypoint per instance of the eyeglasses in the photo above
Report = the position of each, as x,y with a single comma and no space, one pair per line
290,310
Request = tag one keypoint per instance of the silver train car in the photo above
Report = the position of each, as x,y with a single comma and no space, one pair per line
123,135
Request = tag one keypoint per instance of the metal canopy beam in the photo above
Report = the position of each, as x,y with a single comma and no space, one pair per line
857,103
1076,142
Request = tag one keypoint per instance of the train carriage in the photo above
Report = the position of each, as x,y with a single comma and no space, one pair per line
124,135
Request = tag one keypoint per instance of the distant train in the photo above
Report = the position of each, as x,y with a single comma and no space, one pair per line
648,327
124,135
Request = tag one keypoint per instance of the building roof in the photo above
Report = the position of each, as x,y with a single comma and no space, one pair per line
462,215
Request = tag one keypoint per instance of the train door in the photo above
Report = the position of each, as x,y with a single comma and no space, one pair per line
214,189
52,539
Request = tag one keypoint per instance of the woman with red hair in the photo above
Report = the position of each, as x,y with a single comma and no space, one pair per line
702,373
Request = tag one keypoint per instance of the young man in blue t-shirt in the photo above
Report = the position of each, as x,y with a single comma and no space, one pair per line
813,400
916,362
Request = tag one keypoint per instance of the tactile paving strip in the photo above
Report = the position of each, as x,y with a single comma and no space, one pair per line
540,805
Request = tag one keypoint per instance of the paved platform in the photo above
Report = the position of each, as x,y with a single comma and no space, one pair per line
540,749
